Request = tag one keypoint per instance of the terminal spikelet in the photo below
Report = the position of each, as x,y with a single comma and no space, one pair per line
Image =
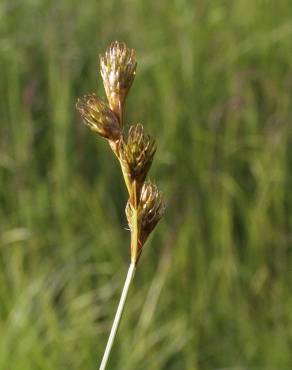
118,70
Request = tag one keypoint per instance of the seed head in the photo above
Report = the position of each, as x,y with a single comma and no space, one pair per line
137,153
118,69
150,210
99,117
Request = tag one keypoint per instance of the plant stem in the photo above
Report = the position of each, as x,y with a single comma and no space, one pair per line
126,178
134,231
118,316
134,237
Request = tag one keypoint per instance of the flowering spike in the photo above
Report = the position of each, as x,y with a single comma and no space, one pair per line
150,210
118,69
137,153
99,117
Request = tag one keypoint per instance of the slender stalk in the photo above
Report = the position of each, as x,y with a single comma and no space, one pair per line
118,316
134,231
134,237
126,179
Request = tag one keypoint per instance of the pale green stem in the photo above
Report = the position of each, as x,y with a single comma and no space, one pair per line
118,316
134,231
126,179
134,237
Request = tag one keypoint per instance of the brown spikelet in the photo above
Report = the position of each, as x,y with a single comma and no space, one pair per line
99,117
149,211
137,153
118,69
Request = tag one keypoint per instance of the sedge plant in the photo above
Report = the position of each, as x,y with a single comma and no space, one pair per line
134,151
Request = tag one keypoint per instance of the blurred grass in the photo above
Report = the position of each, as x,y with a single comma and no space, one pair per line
213,86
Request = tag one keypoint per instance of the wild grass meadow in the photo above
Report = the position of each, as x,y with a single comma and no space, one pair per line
213,289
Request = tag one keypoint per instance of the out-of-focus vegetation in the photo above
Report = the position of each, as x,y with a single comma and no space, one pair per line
213,289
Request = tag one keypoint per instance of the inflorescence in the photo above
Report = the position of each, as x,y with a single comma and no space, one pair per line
135,151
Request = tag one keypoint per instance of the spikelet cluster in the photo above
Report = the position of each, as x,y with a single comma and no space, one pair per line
135,150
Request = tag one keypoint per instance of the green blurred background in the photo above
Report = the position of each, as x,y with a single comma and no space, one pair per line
213,288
